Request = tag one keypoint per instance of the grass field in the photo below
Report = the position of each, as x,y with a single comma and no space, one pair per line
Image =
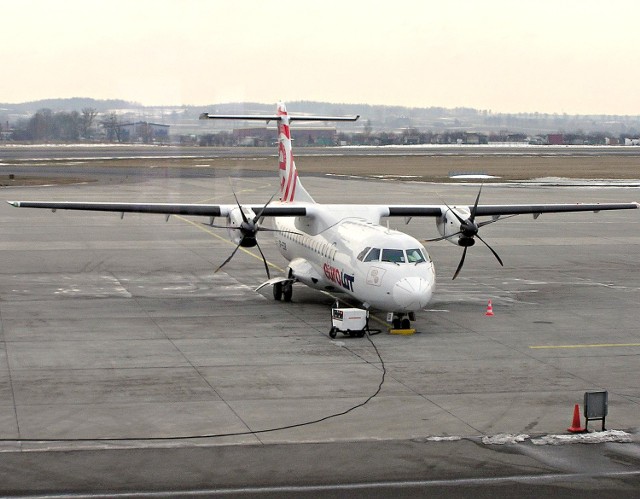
429,167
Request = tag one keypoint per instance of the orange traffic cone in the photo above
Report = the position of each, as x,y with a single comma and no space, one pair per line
575,425
489,310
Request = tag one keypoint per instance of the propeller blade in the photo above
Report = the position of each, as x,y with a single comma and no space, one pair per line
451,210
264,260
441,238
259,215
475,205
464,254
221,226
493,220
227,260
492,250
244,217
460,219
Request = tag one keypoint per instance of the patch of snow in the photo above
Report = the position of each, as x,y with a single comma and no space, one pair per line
472,176
584,438
504,438
442,439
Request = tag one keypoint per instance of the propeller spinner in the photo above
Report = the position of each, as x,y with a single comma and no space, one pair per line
249,228
468,232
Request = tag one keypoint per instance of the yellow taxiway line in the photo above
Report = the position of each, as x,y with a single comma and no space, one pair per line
203,227
596,345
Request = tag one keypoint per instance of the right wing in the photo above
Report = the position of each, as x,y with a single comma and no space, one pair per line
208,210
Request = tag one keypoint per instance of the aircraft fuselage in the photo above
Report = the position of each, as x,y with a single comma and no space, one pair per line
379,267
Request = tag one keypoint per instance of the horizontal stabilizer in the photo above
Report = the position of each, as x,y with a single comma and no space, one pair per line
273,117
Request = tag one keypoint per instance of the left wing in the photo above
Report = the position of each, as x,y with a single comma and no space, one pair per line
505,209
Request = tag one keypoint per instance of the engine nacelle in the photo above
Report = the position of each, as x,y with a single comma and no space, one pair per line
234,219
449,226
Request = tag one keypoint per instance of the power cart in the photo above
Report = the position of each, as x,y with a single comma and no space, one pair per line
349,321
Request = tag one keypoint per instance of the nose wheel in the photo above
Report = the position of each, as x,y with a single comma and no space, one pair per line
402,322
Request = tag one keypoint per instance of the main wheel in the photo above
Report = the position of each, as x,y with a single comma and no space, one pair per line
397,324
277,291
406,324
287,291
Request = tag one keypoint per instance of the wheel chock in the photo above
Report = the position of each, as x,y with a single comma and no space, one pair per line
405,332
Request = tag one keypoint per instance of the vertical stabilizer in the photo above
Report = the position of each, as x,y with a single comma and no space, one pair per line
291,188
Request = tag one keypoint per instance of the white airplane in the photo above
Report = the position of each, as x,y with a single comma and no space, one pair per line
341,247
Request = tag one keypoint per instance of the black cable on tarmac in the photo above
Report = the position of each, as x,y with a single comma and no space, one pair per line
218,435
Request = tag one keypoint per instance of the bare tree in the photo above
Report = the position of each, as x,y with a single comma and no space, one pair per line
113,126
88,115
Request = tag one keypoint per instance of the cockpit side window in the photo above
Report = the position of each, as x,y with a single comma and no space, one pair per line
373,255
393,255
363,253
415,256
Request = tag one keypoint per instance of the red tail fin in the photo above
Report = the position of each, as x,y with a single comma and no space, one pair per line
291,188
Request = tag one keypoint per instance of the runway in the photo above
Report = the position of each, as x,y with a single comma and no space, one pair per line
119,342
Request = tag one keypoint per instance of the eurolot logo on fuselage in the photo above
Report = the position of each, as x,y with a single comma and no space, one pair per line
340,277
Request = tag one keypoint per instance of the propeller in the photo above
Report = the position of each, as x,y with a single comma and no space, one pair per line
468,232
249,229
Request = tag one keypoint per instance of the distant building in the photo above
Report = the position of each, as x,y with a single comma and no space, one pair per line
253,136
555,139
471,138
263,136
143,131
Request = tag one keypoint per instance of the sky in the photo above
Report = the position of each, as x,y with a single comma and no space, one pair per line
548,56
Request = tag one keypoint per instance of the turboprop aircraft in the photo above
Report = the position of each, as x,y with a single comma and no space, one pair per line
341,247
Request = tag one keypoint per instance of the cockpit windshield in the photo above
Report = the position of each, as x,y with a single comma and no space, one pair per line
393,255
373,255
414,255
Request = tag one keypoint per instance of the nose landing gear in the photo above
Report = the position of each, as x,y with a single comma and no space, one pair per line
401,322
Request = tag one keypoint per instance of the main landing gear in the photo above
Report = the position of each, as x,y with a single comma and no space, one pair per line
283,291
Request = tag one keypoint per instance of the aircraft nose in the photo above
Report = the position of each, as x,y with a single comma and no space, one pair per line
412,293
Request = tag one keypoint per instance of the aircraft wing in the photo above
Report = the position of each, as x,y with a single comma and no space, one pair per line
293,210
507,209
209,210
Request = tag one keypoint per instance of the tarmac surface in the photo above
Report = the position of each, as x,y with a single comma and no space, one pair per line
128,366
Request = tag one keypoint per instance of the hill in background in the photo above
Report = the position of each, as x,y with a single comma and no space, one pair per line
376,118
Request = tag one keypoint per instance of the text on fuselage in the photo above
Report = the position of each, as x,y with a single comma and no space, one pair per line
339,277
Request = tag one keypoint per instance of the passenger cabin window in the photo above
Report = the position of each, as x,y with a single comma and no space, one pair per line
373,255
393,255
415,256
